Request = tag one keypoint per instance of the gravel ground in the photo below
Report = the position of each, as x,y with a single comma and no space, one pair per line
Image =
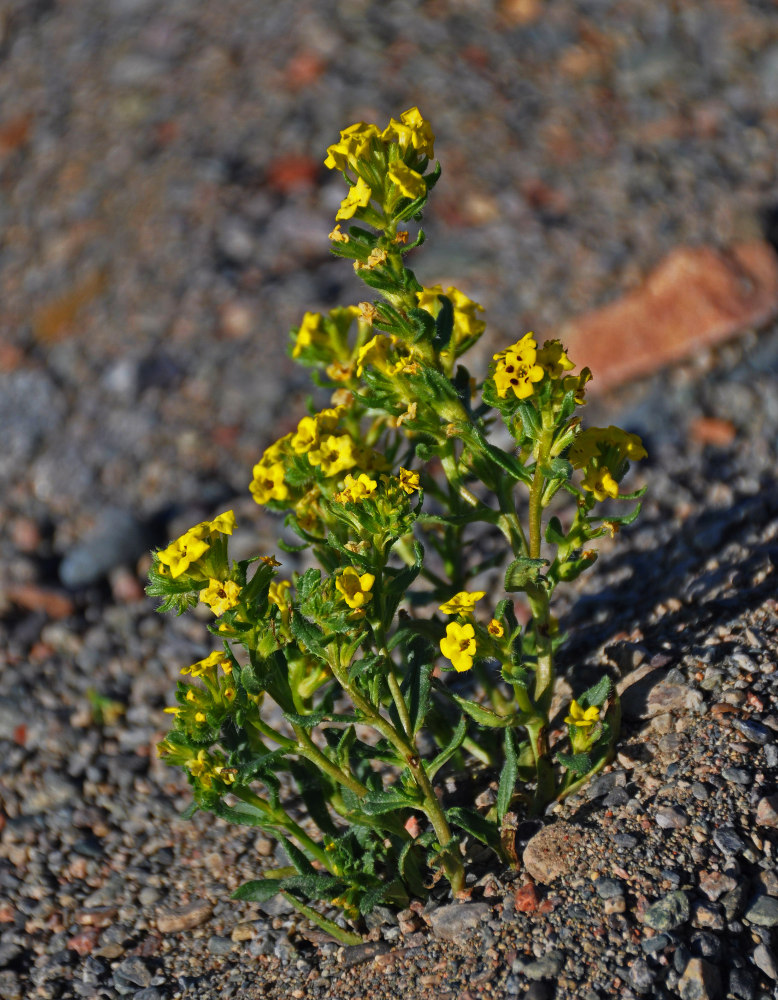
164,222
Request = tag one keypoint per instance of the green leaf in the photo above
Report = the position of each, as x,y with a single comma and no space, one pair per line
579,763
508,775
483,716
448,750
416,685
596,695
554,533
530,420
249,680
375,803
314,719
308,634
302,865
557,468
523,571
475,824
258,890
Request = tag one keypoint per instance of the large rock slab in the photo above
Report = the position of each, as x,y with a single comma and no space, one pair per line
695,298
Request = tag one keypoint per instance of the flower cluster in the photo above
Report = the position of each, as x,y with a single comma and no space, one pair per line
604,453
334,684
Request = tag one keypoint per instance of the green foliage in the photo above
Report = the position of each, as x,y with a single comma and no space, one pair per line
328,684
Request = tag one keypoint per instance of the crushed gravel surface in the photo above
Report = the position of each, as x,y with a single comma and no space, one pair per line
164,217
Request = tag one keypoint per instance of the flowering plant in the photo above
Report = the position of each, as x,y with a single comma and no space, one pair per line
326,717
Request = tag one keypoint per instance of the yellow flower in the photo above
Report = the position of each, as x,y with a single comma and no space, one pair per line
409,181
359,196
517,369
187,549
224,523
337,236
458,645
595,441
354,587
333,454
411,131
601,484
220,597
582,717
269,561
409,480
354,144
376,353
306,436
277,594
495,628
553,358
180,555
466,323
309,333
268,483
356,489
462,603
206,666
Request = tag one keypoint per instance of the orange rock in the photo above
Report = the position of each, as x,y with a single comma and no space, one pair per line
712,430
30,596
527,898
695,298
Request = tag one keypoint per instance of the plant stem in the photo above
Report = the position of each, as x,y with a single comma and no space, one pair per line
307,748
397,696
329,926
282,819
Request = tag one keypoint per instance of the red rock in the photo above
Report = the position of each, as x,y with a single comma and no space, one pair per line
291,173
15,133
304,68
695,298
527,898
85,941
712,430
31,597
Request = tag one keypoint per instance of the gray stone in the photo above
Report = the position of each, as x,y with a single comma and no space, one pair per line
452,922
763,911
737,775
356,954
609,887
700,981
678,698
765,960
671,818
669,912
547,967
118,539
641,975
133,971
754,731
653,945
727,840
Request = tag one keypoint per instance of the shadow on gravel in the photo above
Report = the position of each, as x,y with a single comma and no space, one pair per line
717,565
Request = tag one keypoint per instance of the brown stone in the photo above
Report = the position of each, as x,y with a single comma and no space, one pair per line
31,597
695,298
767,811
550,853
170,921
